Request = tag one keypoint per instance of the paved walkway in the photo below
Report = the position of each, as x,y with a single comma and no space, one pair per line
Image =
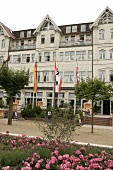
103,135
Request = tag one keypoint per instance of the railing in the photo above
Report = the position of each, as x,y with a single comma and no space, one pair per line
23,47
75,43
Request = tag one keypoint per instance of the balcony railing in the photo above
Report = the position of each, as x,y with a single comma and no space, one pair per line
75,43
23,47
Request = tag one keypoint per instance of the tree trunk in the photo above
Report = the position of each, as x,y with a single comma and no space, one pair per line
10,113
92,118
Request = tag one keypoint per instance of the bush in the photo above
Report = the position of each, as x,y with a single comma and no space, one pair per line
29,112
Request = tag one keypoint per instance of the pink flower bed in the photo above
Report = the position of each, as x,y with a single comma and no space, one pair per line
79,160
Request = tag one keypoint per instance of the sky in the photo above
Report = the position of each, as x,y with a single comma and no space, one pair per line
28,14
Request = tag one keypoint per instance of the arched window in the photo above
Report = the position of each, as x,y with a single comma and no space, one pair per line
1,59
101,34
52,38
3,43
111,53
102,54
43,39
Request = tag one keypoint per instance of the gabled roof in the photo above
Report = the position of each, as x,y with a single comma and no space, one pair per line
105,17
8,31
45,20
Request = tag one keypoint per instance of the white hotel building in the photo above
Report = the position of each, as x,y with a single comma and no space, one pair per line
65,43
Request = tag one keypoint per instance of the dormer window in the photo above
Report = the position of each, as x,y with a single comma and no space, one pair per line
74,28
68,29
52,38
43,39
22,34
28,33
83,28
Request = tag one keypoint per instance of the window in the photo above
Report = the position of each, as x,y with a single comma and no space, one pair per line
82,37
80,55
47,56
69,55
89,54
71,95
66,38
61,56
102,75
21,34
83,28
54,56
88,37
48,94
111,53
46,76
68,29
72,38
1,31
43,39
112,33
22,43
38,76
31,77
25,58
16,58
89,74
28,33
52,38
102,54
74,28
40,57
82,74
1,59
17,43
10,60
3,43
29,42
69,76
111,75
101,34
39,94
32,58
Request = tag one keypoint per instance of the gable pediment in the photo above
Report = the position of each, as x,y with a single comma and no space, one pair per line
47,24
104,18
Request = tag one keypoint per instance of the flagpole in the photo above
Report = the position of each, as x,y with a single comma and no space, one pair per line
54,84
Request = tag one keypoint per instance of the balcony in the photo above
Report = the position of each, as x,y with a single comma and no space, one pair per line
23,47
76,43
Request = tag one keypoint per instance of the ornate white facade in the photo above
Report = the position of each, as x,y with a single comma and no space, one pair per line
65,44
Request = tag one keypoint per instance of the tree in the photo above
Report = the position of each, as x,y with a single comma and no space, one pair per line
94,90
12,81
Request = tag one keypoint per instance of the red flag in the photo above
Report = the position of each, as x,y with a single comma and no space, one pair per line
77,74
35,78
58,80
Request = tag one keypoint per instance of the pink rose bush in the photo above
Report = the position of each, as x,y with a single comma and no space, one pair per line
51,155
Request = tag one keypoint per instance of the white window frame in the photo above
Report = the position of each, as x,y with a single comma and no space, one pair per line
89,54
111,53
81,55
25,58
111,33
52,38
61,56
89,74
32,58
68,29
82,75
101,34
46,56
22,34
3,43
31,79
16,59
29,33
102,54
74,28
83,28
69,76
102,75
1,59
46,76
69,55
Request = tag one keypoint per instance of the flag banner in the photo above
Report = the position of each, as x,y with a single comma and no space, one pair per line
58,80
77,74
35,78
